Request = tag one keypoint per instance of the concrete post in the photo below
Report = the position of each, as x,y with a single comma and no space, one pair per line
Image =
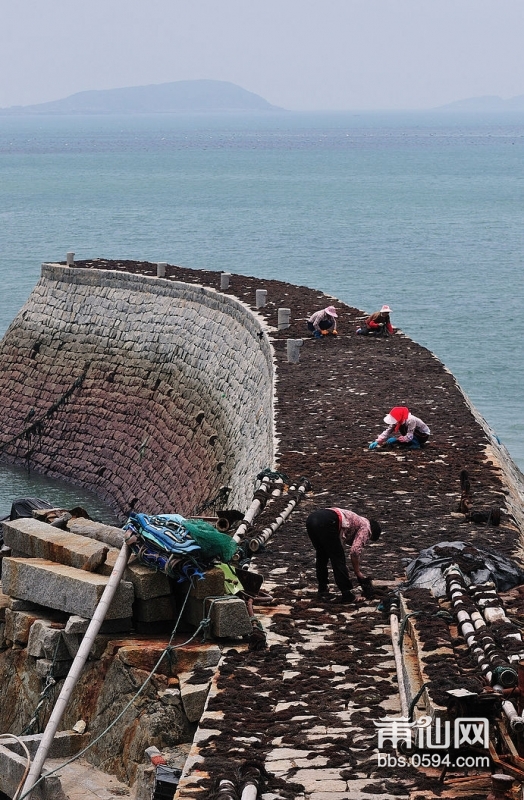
70,259
284,315
293,350
224,280
161,269
261,297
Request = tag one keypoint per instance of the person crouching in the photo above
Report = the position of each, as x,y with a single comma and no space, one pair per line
404,428
323,322
377,324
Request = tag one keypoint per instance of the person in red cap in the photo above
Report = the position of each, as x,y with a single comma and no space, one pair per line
323,322
404,428
378,324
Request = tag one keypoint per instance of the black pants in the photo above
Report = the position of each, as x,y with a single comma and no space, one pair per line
323,528
366,331
324,325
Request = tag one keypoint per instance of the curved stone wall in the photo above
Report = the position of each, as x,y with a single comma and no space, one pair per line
154,393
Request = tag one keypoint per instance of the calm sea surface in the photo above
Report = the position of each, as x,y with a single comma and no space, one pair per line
422,211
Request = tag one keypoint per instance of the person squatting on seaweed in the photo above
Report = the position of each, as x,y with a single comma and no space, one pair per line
377,324
323,322
329,529
404,429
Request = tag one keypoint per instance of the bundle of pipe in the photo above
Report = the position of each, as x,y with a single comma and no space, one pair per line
257,541
486,598
489,657
260,499
496,670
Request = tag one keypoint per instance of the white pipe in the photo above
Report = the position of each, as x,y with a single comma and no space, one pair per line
76,668
393,624
251,513
266,534
515,720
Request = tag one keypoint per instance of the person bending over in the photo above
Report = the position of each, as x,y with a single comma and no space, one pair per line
404,428
329,530
323,322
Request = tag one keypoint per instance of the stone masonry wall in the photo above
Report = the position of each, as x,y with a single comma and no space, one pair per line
153,393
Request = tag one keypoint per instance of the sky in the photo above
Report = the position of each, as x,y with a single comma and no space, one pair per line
297,54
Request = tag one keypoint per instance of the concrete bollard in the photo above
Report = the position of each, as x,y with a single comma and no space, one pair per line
260,298
283,318
70,259
224,280
293,350
161,269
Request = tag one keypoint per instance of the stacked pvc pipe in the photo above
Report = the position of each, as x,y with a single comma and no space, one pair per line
486,598
490,658
257,541
492,661
259,502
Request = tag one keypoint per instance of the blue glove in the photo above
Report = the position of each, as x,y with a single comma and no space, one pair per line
373,445
391,440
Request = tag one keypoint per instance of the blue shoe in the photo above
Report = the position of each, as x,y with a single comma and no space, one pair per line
317,335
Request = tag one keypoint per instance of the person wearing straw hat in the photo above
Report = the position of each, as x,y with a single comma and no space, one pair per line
404,428
377,324
323,322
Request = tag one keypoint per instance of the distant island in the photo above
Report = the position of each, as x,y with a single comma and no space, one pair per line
161,98
485,103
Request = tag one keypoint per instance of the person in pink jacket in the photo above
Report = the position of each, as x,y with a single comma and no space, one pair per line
329,530
323,322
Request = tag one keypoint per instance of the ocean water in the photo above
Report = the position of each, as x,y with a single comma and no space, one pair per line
421,211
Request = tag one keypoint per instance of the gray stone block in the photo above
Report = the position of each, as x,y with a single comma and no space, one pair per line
58,669
146,582
18,626
39,540
212,585
76,625
193,696
12,769
158,609
65,588
229,619
45,641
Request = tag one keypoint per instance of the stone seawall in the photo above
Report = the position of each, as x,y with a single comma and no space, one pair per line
153,393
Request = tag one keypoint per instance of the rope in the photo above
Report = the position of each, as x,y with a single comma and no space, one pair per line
36,428
415,701
443,614
49,683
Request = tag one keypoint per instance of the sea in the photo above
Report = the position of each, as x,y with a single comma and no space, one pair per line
423,211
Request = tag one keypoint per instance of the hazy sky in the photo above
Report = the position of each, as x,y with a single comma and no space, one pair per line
299,54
